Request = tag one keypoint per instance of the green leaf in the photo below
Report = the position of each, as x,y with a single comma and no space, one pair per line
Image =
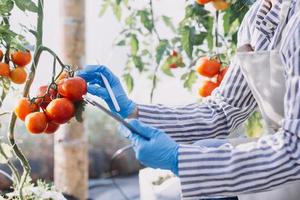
128,81
117,11
210,36
79,109
171,60
189,11
134,44
187,39
104,7
18,42
201,15
226,22
165,68
26,5
137,61
146,52
6,6
190,80
129,20
126,2
160,50
184,76
168,22
121,43
4,30
146,20
199,38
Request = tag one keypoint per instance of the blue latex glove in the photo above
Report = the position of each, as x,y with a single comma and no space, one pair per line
91,74
153,148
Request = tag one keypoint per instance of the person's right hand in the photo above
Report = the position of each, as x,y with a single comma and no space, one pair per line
92,75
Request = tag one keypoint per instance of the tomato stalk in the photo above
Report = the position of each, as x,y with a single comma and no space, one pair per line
37,54
11,131
154,79
217,13
12,167
5,89
53,84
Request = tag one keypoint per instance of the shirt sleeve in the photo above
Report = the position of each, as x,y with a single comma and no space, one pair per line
216,116
258,166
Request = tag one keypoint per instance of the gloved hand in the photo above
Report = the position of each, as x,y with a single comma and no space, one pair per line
153,148
91,74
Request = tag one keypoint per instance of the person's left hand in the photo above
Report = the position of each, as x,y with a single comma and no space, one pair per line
153,148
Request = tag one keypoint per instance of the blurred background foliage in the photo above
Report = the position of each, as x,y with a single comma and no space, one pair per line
203,31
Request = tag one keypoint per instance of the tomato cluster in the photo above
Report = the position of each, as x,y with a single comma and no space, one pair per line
212,69
175,60
53,105
17,74
218,4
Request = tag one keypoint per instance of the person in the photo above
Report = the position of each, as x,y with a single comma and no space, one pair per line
264,74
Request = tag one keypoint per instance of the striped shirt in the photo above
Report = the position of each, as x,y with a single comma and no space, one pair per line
257,166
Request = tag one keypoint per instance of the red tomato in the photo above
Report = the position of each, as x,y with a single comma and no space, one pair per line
36,122
43,102
60,110
51,128
72,88
222,74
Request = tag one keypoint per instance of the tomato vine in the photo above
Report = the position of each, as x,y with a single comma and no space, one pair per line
196,35
203,31
12,41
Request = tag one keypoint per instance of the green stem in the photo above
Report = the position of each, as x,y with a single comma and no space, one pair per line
154,79
217,31
5,90
153,20
43,48
4,113
154,82
217,35
11,131
11,166
3,96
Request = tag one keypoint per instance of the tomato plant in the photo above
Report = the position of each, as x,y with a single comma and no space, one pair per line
18,65
200,33
208,29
